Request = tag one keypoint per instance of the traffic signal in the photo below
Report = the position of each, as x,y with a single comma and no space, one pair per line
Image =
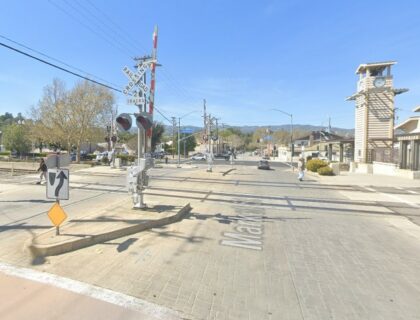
124,121
144,120
114,139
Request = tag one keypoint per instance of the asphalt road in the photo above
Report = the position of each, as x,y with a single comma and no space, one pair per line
257,245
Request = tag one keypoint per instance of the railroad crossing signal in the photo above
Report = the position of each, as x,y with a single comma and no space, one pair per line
124,121
144,120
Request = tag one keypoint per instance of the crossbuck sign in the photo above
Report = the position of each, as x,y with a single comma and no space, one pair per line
136,79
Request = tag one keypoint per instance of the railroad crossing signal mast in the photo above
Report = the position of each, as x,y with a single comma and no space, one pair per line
139,94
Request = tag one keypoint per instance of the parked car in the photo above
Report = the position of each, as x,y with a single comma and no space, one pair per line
264,165
222,156
158,155
198,156
101,155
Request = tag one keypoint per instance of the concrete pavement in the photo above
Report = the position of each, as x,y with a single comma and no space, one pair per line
258,245
28,294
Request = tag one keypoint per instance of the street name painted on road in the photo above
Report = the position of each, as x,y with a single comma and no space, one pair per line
249,232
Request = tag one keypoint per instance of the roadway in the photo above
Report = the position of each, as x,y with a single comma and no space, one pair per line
257,245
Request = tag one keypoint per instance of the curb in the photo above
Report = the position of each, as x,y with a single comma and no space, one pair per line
39,250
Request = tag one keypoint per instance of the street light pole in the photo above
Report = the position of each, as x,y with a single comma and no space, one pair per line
179,137
291,134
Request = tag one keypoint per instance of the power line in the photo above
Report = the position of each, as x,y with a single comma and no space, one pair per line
56,60
170,121
87,26
58,67
101,16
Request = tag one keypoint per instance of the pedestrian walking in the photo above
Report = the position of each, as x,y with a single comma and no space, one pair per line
301,168
43,169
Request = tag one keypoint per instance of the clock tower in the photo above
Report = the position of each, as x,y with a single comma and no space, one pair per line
374,114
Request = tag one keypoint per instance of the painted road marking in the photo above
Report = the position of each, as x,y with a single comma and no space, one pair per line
85,289
411,204
249,230
412,192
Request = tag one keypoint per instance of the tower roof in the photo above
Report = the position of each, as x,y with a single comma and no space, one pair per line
372,65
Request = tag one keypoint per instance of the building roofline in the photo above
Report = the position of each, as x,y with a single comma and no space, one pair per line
416,109
364,66
399,126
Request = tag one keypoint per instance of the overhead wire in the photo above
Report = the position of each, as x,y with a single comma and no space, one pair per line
57,60
87,26
173,84
84,14
58,67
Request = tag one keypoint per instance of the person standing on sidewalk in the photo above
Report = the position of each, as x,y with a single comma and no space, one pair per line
301,168
43,169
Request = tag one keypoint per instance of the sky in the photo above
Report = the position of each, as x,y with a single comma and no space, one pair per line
244,57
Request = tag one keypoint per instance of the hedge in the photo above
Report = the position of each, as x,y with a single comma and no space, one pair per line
325,171
126,157
5,153
314,164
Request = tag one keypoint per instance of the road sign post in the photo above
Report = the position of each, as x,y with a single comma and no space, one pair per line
57,187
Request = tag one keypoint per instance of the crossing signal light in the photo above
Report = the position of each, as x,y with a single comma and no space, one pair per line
144,120
124,121
114,139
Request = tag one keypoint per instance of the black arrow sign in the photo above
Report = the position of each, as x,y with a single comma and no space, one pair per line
60,176
51,177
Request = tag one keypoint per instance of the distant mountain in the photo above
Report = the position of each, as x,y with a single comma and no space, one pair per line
296,127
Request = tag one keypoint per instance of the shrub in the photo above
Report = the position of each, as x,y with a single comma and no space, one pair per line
90,157
314,164
325,171
5,153
105,160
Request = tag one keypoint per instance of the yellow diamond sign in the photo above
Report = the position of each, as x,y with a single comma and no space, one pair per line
57,214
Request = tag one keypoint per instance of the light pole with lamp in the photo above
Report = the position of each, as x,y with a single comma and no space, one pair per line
179,137
291,134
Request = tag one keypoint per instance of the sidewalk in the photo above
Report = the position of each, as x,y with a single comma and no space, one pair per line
361,179
30,294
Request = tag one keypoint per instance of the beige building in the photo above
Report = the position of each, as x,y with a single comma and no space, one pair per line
374,114
410,142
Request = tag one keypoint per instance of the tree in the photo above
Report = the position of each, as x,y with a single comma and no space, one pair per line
6,119
16,138
190,143
68,118
157,133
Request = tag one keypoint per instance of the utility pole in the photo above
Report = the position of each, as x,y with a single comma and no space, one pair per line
210,147
173,136
179,137
205,116
217,135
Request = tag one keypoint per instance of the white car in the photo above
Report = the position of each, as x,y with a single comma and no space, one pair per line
101,155
198,156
